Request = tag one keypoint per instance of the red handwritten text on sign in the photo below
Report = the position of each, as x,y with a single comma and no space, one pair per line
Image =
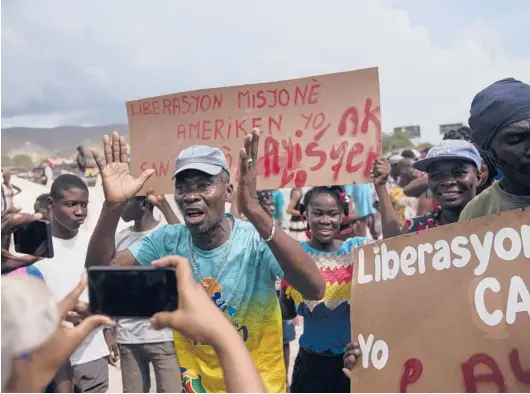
320,130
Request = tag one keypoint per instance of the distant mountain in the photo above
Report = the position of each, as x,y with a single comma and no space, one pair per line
58,141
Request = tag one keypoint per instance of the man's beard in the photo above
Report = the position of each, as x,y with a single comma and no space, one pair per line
203,228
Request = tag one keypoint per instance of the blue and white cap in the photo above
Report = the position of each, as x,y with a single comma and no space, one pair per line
450,150
201,158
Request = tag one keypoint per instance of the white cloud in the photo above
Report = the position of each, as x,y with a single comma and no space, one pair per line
77,62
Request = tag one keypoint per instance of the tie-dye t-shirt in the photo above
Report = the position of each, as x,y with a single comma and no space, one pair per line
327,322
243,289
29,270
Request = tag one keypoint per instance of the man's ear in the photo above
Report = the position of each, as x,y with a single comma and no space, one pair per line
50,203
481,178
229,193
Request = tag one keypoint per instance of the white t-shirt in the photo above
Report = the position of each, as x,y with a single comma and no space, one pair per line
48,173
137,331
62,273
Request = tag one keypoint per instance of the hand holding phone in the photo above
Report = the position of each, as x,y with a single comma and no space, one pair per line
13,220
197,317
132,292
34,238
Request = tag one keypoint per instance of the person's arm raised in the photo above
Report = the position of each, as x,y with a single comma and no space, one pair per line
298,267
199,319
118,187
18,189
389,220
160,201
296,196
417,187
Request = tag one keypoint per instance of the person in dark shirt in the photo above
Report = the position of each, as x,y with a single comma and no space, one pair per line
81,161
41,206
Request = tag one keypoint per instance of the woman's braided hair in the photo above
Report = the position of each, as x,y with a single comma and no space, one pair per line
263,195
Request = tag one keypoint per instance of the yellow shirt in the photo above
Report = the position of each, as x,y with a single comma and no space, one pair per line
397,196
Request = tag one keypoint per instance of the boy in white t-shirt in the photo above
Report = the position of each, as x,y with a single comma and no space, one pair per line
140,345
68,210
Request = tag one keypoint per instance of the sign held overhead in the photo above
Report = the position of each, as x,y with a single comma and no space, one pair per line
318,130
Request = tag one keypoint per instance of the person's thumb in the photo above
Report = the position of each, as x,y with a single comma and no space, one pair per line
144,177
347,372
166,320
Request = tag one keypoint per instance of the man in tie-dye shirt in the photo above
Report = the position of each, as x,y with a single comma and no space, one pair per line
236,262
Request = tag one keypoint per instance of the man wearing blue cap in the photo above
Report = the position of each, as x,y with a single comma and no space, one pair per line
453,167
236,262
500,123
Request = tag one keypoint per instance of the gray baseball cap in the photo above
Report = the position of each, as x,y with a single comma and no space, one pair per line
201,158
450,150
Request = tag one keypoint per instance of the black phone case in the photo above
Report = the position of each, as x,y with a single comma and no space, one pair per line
126,268
18,233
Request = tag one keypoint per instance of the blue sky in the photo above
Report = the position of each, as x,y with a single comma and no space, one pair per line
77,62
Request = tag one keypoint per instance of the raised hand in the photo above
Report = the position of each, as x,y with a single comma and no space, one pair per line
118,183
155,199
380,171
246,189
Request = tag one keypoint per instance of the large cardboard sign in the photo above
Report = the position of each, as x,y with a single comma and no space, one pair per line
314,131
445,310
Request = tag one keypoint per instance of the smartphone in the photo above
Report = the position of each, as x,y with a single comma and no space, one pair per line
34,238
134,292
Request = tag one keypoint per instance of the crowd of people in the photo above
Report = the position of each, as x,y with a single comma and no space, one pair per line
242,279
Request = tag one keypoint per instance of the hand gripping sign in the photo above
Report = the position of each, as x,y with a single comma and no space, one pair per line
314,131
445,310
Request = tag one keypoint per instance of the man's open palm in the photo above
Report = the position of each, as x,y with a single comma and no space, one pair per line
118,184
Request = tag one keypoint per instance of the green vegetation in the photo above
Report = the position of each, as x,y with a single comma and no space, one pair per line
21,161
400,140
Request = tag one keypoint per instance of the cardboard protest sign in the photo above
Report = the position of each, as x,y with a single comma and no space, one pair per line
319,130
445,310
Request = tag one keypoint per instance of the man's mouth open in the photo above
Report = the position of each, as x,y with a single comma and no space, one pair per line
193,216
